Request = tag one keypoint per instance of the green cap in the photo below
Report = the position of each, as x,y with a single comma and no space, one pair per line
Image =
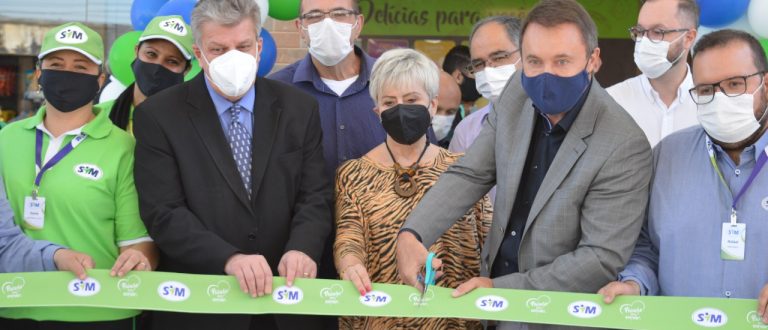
74,36
173,29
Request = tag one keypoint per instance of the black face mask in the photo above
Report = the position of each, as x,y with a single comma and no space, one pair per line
406,123
469,91
152,78
68,91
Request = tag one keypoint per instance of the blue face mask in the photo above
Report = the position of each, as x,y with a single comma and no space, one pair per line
552,94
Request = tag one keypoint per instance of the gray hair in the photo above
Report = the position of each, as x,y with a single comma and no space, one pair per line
511,24
401,67
225,12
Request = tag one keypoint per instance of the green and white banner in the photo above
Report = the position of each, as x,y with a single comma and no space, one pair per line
221,294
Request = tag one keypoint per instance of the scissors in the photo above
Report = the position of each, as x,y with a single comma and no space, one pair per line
429,275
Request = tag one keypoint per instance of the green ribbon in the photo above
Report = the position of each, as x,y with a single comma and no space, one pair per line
214,294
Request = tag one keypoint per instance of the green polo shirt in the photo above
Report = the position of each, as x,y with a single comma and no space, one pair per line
91,202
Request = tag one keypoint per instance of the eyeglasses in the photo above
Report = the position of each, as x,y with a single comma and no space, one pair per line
731,87
496,59
338,15
655,35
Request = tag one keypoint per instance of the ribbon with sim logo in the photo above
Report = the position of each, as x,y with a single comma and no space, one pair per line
214,294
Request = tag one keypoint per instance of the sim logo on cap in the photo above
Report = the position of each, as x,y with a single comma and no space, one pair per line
175,26
71,35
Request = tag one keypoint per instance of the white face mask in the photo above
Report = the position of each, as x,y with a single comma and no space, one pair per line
441,124
729,119
233,72
491,81
330,41
651,57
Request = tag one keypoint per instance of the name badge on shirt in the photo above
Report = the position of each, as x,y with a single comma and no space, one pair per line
734,241
34,212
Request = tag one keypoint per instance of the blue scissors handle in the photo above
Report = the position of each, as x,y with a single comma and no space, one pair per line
429,276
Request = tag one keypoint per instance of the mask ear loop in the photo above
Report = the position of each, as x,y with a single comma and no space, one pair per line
681,52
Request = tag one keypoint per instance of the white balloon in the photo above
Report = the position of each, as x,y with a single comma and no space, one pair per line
263,9
743,25
112,90
757,12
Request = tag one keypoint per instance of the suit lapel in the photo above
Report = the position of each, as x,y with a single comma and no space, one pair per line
569,153
206,121
266,116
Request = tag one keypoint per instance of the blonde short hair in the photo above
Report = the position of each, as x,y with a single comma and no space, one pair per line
403,67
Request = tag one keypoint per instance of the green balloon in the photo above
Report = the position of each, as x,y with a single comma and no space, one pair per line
284,10
764,42
193,71
121,55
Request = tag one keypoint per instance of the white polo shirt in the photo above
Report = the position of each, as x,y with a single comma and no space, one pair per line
642,102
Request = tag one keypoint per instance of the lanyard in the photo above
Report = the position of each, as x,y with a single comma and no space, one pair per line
40,168
760,163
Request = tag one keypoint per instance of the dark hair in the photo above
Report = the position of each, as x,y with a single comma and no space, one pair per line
687,10
355,6
725,37
457,59
551,13
511,24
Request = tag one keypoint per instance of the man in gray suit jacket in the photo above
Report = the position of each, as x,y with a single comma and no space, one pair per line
572,170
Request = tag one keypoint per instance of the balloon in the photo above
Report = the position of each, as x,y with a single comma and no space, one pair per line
268,53
719,13
284,10
742,24
112,90
263,9
142,11
757,17
121,55
764,42
193,71
178,7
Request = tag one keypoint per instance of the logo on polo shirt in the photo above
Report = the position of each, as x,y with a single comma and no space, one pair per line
89,171
13,288
72,34
175,26
764,203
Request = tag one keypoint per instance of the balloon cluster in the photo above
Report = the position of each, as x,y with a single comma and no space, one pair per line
745,15
122,54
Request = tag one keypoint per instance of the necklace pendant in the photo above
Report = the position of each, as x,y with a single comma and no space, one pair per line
409,190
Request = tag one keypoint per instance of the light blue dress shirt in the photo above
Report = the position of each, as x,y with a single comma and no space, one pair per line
678,252
222,108
19,253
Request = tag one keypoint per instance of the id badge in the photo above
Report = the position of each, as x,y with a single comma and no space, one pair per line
734,241
34,212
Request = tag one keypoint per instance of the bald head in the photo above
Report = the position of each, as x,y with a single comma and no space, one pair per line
448,95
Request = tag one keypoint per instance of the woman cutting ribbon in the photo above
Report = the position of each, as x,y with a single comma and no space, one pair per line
374,194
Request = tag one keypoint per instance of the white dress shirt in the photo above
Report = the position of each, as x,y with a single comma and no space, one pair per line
642,102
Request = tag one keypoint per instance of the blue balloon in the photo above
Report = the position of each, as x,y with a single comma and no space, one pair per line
719,13
178,7
142,11
268,53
